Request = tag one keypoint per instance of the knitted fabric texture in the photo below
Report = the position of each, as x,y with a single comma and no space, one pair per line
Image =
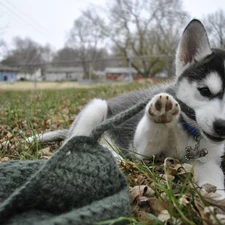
80,184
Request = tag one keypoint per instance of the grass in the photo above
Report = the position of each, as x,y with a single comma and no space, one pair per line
162,191
25,113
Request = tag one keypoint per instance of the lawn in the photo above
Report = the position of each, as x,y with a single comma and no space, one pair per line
162,191
29,112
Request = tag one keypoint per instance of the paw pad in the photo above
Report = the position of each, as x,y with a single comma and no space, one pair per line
162,108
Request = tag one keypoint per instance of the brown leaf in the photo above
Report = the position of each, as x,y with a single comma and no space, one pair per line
5,159
206,213
164,215
140,179
183,169
9,135
157,206
139,196
199,205
209,188
46,151
141,190
214,199
164,196
173,168
219,217
183,200
167,176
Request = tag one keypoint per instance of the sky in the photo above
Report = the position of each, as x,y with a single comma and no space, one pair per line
49,21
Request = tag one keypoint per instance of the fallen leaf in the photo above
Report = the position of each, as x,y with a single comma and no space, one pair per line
157,206
200,207
46,151
9,135
141,190
209,188
219,217
213,199
183,168
167,177
164,215
183,200
5,159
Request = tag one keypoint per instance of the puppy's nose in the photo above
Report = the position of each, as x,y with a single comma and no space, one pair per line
219,127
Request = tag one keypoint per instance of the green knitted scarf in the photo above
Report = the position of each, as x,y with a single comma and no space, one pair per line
80,184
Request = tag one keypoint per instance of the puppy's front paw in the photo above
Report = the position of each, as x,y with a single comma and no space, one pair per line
163,108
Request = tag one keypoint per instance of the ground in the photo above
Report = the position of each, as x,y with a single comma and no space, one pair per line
162,191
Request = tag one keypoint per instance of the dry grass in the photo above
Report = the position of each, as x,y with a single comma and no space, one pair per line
28,85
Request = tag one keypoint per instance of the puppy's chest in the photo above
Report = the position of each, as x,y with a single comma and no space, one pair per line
173,142
186,147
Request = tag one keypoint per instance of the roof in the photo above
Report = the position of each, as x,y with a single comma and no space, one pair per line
119,70
8,69
63,69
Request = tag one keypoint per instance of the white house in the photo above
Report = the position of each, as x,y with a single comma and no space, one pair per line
63,74
26,76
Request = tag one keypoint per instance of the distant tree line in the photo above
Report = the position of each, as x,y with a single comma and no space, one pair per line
140,33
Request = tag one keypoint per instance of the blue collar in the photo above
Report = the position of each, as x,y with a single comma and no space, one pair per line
190,129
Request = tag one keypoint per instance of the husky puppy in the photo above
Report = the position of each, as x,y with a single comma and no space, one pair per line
194,133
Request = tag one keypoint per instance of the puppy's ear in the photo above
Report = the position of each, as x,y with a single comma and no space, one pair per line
193,46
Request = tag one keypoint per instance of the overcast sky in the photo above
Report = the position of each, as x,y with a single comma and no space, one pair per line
49,21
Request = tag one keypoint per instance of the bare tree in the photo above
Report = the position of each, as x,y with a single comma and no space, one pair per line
46,57
47,53
142,31
65,57
87,41
27,55
215,25
3,49
168,31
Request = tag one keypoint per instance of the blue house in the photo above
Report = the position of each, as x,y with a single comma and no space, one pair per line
8,73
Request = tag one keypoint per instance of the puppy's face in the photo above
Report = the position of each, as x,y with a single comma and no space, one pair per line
200,75
201,86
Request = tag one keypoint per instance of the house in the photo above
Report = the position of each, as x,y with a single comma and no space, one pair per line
121,73
37,75
63,74
100,75
8,73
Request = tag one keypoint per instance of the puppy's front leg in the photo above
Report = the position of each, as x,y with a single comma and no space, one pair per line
153,130
211,172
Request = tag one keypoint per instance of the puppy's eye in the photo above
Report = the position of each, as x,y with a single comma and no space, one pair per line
204,91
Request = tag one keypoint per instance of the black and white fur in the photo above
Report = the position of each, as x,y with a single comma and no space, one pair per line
199,83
